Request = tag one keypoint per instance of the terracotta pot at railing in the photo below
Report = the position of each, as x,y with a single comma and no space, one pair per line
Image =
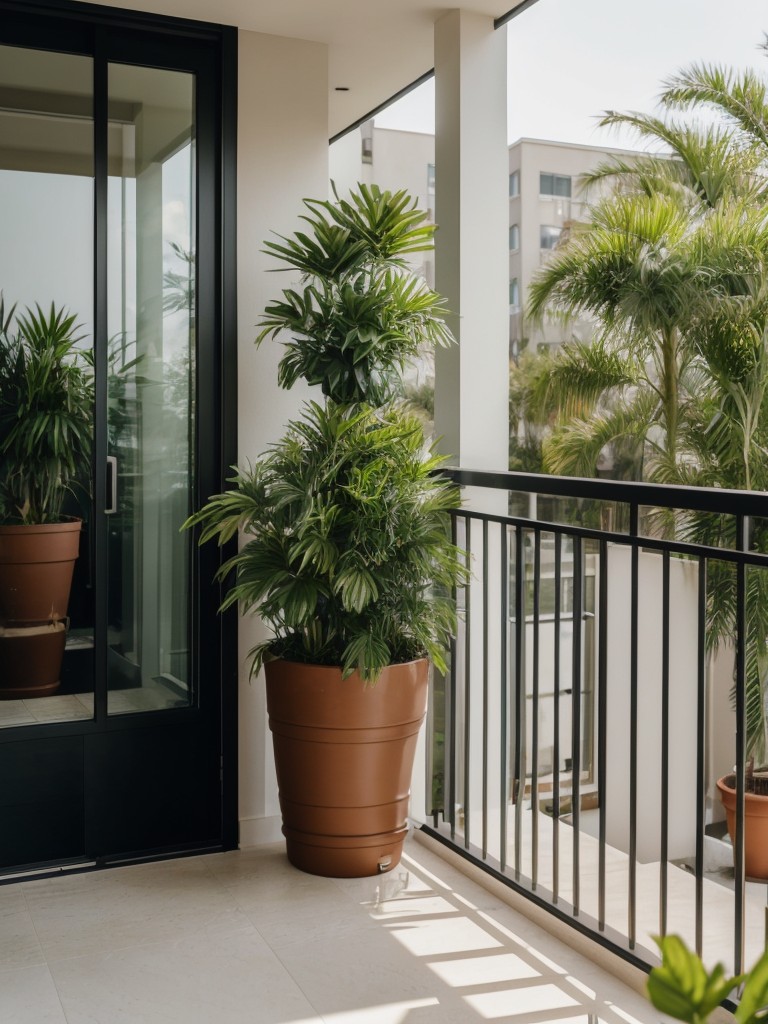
755,826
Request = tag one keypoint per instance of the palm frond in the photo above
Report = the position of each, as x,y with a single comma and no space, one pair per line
583,372
575,449
740,96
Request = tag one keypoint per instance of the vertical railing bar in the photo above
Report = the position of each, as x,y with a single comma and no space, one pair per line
742,544
634,607
485,689
602,729
556,724
701,794
467,688
519,697
450,752
503,759
535,712
578,583
664,850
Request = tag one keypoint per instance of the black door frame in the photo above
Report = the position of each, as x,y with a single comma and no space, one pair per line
109,35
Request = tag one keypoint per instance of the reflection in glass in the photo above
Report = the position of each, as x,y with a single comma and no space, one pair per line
46,256
151,332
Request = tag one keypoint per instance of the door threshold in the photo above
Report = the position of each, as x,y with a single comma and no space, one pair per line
46,871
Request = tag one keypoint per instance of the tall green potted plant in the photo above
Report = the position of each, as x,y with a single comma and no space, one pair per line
346,552
46,413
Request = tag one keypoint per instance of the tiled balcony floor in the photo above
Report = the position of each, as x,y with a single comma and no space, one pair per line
244,938
75,707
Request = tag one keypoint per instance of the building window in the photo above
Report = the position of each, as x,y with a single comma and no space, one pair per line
514,237
549,236
366,132
555,185
514,184
514,293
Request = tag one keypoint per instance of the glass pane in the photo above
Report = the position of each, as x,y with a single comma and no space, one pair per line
151,319
46,258
549,236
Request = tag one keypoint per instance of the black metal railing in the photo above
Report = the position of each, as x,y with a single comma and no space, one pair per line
586,717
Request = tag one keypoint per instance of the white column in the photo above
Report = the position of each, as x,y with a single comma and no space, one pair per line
472,379
471,257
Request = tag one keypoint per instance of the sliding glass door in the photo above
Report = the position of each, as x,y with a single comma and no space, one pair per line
112,200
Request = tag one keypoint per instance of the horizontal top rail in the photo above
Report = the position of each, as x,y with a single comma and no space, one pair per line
674,547
628,492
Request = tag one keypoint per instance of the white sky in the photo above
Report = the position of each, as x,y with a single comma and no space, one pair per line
571,59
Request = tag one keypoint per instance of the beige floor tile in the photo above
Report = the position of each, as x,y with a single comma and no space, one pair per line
15,712
28,996
118,703
285,904
66,708
19,945
350,974
129,906
211,979
86,699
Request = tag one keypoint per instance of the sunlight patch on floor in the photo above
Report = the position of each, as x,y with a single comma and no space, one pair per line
483,970
517,1001
387,1013
432,938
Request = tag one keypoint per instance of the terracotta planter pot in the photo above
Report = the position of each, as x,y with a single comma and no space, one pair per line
344,757
755,827
36,566
30,660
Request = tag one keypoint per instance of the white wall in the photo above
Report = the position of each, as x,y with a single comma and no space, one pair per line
345,167
683,676
282,158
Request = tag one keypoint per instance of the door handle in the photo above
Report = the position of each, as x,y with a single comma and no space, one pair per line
111,496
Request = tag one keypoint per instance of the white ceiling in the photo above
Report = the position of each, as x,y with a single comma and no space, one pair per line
375,47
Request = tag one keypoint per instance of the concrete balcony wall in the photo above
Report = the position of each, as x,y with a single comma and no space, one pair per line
683,673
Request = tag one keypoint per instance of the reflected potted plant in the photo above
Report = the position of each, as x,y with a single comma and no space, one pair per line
46,414
346,551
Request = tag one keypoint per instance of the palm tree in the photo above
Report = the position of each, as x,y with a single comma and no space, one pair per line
674,232
636,270
672,267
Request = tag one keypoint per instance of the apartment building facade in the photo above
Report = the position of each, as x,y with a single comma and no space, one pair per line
546,196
